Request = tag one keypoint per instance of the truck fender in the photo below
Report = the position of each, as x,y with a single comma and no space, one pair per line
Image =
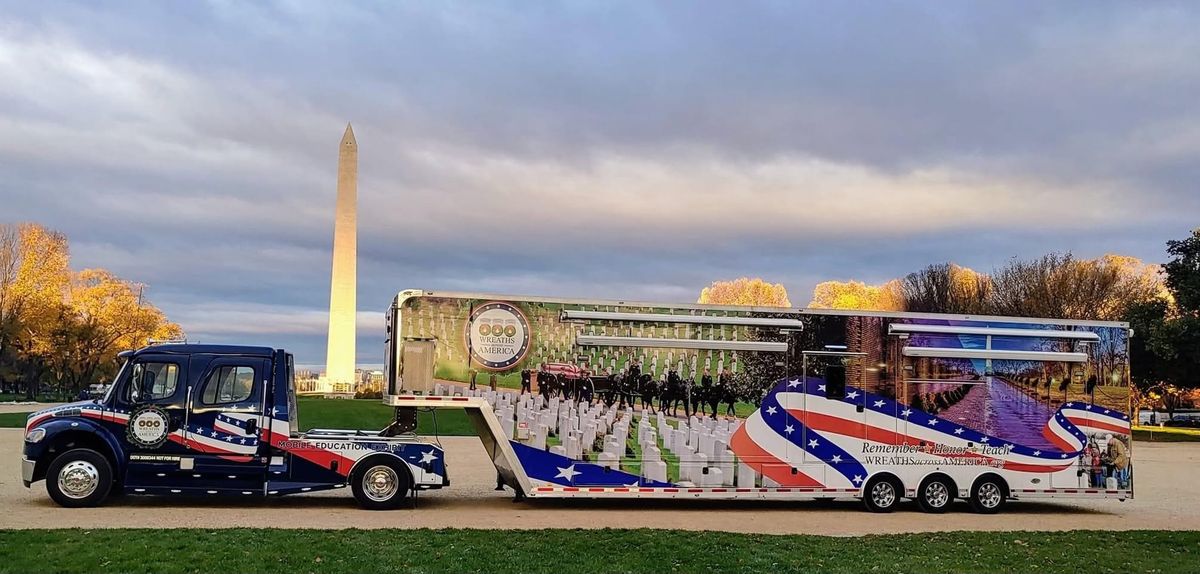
370,459
60,431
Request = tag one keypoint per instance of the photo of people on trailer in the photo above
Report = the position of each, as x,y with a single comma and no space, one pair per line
1017,395
1105,463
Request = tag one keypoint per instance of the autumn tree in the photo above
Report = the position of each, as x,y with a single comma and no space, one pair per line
37,272
1060,286
9,328
745,291
1057,286
105,315
858,295
63,327
946,288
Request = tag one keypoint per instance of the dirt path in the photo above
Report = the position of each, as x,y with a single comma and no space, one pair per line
1164,502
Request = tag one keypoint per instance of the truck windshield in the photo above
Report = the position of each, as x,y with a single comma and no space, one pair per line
113,383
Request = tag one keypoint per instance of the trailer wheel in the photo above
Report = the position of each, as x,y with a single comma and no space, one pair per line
989,494
882,493
935,494
78,478
381,485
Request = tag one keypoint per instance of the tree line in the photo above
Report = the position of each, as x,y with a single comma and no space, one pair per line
1160,302
61,329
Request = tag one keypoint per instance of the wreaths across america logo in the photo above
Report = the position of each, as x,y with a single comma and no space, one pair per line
148,427
497,335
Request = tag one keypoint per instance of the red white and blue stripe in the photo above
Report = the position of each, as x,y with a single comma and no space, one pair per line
798,425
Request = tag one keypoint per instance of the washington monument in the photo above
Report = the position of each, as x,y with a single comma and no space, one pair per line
340,358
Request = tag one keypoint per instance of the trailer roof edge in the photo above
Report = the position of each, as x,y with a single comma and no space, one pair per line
409,293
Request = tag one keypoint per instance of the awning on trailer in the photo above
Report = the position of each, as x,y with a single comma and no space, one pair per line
688,319
715,345
993,331
956,353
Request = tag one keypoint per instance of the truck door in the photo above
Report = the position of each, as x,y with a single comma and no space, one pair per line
227,408
151,404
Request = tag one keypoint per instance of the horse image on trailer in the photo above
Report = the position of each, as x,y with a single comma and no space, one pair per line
880,406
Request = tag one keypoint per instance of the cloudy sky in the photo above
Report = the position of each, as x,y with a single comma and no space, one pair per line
608,149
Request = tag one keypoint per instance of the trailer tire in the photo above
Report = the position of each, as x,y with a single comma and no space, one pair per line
79,478
382,483
989,494
882,493
936,494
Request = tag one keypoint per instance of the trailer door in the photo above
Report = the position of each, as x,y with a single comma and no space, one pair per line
835,411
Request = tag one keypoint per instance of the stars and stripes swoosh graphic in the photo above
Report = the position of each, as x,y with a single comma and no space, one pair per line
228,434
226,437
798,424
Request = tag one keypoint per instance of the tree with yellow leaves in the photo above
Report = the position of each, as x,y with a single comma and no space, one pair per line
857,295
105,315
34,274
745,291
63,327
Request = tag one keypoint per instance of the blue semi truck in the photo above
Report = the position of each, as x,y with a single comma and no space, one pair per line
216,420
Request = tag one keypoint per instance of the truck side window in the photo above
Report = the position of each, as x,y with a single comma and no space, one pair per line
228,384
151,382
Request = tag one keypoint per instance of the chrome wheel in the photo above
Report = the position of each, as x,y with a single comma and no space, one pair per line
883,494
989,495
78,479
380,483
936,494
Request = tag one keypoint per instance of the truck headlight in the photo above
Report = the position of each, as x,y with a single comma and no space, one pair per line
35,435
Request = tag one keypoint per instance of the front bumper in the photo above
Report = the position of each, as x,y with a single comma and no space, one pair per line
27,467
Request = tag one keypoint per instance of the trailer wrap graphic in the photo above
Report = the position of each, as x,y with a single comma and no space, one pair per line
788,433
798,422
1041,402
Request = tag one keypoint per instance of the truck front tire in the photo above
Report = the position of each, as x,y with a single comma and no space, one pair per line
78,478
381,484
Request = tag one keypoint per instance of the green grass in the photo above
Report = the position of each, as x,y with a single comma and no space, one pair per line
557,551
1166,434
371,414
633,463
366,414
43,398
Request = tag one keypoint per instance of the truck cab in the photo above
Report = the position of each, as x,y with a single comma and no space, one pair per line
207,420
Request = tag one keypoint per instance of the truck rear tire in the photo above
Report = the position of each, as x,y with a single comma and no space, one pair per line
78,478
381,484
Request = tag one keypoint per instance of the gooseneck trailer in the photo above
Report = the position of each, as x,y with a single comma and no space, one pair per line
777,404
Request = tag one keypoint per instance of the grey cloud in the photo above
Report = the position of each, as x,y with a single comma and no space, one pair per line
633,150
